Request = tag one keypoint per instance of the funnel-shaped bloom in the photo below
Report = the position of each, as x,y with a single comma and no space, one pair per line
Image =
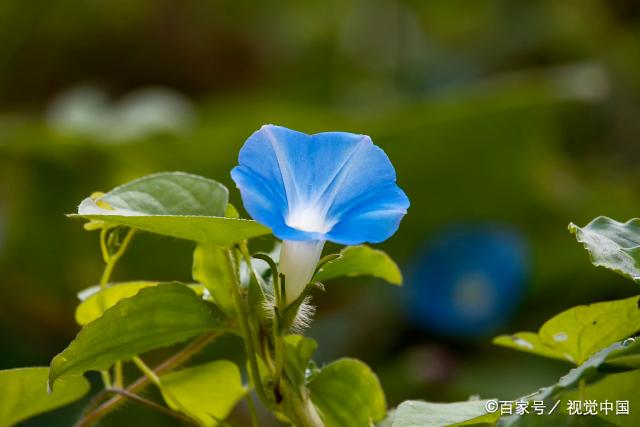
334,186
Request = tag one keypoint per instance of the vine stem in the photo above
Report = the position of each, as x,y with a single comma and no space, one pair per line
254,372
148,403
252,410
112,259
110,262
299,408
153,377
177,359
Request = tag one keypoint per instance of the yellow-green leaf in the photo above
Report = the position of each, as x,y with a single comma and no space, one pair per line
361,261
415,413
173,204
213,266
580,332
155,317
24,393
347,393
206,393
96,300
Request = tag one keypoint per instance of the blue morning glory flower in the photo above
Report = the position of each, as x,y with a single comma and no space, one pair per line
469,280
308,189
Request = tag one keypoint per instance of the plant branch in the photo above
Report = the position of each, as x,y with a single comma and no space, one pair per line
252,410
177,359
153,405
110,262
153,377
112,259
254,373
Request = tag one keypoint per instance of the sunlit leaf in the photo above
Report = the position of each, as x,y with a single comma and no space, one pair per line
361,261
612,244
581,331
348,394
557,418
93,306
530,342
95,300
596,367
24,393
595,370
155,317
206,393
415,413
613,388
213,266
174,204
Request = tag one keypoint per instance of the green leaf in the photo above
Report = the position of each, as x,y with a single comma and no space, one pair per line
414,413
595,370
612,244
24,393
556,419
173,204
626,357
92,306
298,352
95,300
579,332
348,394
214,267
155,317
596,367
530,342
622,386
206,393
361,261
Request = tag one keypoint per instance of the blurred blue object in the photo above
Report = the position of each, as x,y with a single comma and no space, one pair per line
468,281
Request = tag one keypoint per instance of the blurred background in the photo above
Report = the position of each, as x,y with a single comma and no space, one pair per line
505,121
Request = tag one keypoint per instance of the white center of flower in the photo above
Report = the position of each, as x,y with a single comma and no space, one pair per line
309,219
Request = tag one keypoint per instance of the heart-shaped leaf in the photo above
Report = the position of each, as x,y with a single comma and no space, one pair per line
595,370
206,393
612,244
348,394
361,260
415,413
24,393
155,317
173,204
580,332
95,300
213,266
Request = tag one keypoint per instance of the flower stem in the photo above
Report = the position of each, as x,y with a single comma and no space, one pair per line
308,415
252,410
298,407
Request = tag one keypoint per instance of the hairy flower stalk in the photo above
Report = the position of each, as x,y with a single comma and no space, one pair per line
309,189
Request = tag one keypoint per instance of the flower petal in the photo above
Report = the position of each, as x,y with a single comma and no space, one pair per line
333,185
